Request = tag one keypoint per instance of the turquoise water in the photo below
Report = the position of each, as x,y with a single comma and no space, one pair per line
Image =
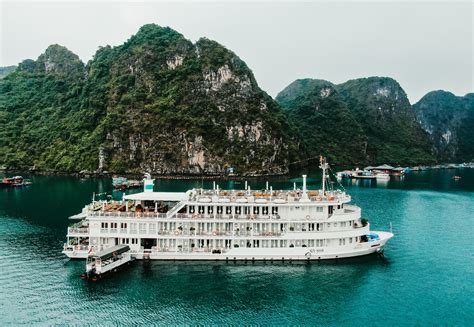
425,278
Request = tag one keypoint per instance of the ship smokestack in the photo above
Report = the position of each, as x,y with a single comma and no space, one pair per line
304,196
148,183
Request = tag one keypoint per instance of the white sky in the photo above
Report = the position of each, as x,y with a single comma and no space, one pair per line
424,45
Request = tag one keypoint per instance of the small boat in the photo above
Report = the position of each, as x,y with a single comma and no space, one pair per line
25,182
122,183
106,261
344,174
382,176
363,174
15,181
456,178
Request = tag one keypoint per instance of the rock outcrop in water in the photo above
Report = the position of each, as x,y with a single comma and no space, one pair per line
157,103
449,121
367,120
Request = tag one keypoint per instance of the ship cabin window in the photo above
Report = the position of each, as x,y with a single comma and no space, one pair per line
319,209
192,209
329,224
350,239
331,209
339,207
256,210
210,210
274,210
350,222
228,210
123,225
104,225
265,210
124,240
113,225
238,210
219,210
246,210
201,209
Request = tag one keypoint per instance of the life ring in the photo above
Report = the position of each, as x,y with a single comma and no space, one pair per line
195,215
77,247
308,217
252,216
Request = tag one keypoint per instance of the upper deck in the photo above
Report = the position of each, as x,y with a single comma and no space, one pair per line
280,197
241,197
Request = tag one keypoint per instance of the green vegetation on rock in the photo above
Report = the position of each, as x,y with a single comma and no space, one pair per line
367,121
449,121
157,103
4,71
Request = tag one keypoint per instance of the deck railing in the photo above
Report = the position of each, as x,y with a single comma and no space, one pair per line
78,230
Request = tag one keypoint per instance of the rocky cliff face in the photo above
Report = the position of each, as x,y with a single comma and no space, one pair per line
449,121
157,103
371,118
324,121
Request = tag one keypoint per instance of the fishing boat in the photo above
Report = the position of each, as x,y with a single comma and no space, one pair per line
236,224
381,175
15,181
122,183
363,174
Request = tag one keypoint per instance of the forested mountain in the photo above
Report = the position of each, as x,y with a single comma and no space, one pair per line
162,104
367,120
157,103
449,120
4,71
324,121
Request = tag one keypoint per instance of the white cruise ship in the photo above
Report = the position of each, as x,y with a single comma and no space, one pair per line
217,224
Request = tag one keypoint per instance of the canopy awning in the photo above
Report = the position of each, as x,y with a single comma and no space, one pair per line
384,167
80,215
109,252
156,196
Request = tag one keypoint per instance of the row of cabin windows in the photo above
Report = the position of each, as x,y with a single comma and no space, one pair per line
240,210
152,226
114,225
228,210
202,243
127,240
172,225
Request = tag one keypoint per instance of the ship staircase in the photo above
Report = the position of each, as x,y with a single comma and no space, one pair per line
175,209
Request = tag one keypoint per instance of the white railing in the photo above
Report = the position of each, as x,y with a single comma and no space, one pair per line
77,230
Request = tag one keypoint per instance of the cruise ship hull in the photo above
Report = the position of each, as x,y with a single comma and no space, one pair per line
265,254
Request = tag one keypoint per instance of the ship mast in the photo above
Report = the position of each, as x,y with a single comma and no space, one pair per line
323,165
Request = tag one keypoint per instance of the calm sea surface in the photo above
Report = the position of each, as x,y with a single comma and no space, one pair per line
425,278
